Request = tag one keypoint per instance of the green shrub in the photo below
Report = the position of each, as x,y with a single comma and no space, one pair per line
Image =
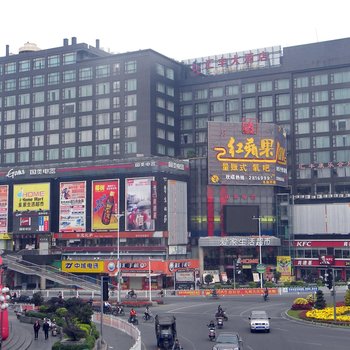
85,327
37,314
61,312
269,284
38,299
347,297
253,284
301,304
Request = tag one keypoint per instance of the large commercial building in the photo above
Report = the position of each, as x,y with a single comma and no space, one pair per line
212,163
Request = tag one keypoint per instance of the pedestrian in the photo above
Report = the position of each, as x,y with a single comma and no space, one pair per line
36,329
46,328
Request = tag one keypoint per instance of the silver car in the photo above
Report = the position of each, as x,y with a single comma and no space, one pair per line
228,341
259,321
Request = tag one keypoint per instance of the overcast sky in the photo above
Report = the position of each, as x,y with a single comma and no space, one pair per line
179,29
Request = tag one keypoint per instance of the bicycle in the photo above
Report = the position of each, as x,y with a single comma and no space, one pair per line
150,318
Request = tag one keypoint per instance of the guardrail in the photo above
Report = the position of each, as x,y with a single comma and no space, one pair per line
118,323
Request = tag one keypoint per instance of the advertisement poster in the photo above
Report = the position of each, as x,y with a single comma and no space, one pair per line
31,206
105,205
72,207
4,205
138,204
284,265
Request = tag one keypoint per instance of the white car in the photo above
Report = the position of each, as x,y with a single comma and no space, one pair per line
259,321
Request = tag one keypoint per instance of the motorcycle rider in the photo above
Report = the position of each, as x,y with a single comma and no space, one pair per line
266,293
132,315
120,309
147,313
131,293
177,345
211,324
220,311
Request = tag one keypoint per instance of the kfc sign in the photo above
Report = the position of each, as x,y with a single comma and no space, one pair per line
326,260
303,243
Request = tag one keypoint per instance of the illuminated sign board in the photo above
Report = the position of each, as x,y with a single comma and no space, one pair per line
31,206
246,153
4,205
236,61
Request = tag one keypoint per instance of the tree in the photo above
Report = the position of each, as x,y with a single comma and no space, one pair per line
38,299
208,278
320,302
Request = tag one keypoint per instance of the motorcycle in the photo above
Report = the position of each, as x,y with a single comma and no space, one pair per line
222,314
133,320
266,297
220,322
131,295
118,311
212,334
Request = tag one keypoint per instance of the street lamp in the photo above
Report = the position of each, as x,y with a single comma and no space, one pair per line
260,256
149,279
118,255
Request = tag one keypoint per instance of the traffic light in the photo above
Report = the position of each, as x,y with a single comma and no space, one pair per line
328,278
105,293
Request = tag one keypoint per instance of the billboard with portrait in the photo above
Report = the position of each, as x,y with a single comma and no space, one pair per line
72,216
105,205
31,208
138,204
4,206
247,153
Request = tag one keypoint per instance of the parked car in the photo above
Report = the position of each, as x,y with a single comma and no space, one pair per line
259,321
228,341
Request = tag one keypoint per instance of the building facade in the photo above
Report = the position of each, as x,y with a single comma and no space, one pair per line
75,116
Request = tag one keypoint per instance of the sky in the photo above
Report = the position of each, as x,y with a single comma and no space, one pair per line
179,29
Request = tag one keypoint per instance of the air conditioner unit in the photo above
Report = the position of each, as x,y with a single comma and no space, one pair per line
313,197
341,195
330,196
335,195
296,197
307,196
302,196
347,195
319,196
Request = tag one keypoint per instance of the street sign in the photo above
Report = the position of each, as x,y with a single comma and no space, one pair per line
261,268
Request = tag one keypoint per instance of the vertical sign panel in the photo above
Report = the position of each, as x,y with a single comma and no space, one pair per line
31,206
72,206
105,205
138,199
4,205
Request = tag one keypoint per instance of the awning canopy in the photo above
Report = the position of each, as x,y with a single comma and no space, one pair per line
138,274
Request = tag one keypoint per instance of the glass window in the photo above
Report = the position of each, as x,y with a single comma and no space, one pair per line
38,80
130,131
321,142
301,82
85,151
116,148
318,80
24,99
130,147
320,96
85,136
169,73
38,97
52,154
68,153
302,113
232,90
170,106
102,71
10,68
341,109
53,124
264,86
283,100
160,102
186,110
161,133
38,63
342,155
23,156
304,174
102,88
10,115
69,58
10,101
170,91
342,124
170,121
282,114
248,88
85,106
130,67
116,133
102,119
321,126
302,97
69,76
217,92
186,124
340,77
170,136
131,85
201,122
23,128
68,93
85,120
186,96
160,88
265,101
281,84
85,73
201,108
217,107
160,149
68,137
303,158
320,111
39,111
85,91
342,140
116,86
53,139
9,157
160,117
103,134
266,116
24,113
160,69
24,83
201,94
116,68
232,105
53,95
53,78
38,126
131,115
53,61
233,118
9,143
248,103
341,94
323,173
23,142
38,155
130,100
303,143
302,128
103,103
10,85
116,117
53,109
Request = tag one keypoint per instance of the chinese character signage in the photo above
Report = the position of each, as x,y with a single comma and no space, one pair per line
4,192
84,266
31,206
236,61
72,206
246,154
138,197
105,205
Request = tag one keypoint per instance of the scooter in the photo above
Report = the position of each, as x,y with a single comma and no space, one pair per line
266,297
220,322
133,320
212,334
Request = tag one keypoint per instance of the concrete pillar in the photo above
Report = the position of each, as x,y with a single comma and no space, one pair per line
201,261
42,282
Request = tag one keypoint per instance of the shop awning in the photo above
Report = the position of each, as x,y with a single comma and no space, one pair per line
139,274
